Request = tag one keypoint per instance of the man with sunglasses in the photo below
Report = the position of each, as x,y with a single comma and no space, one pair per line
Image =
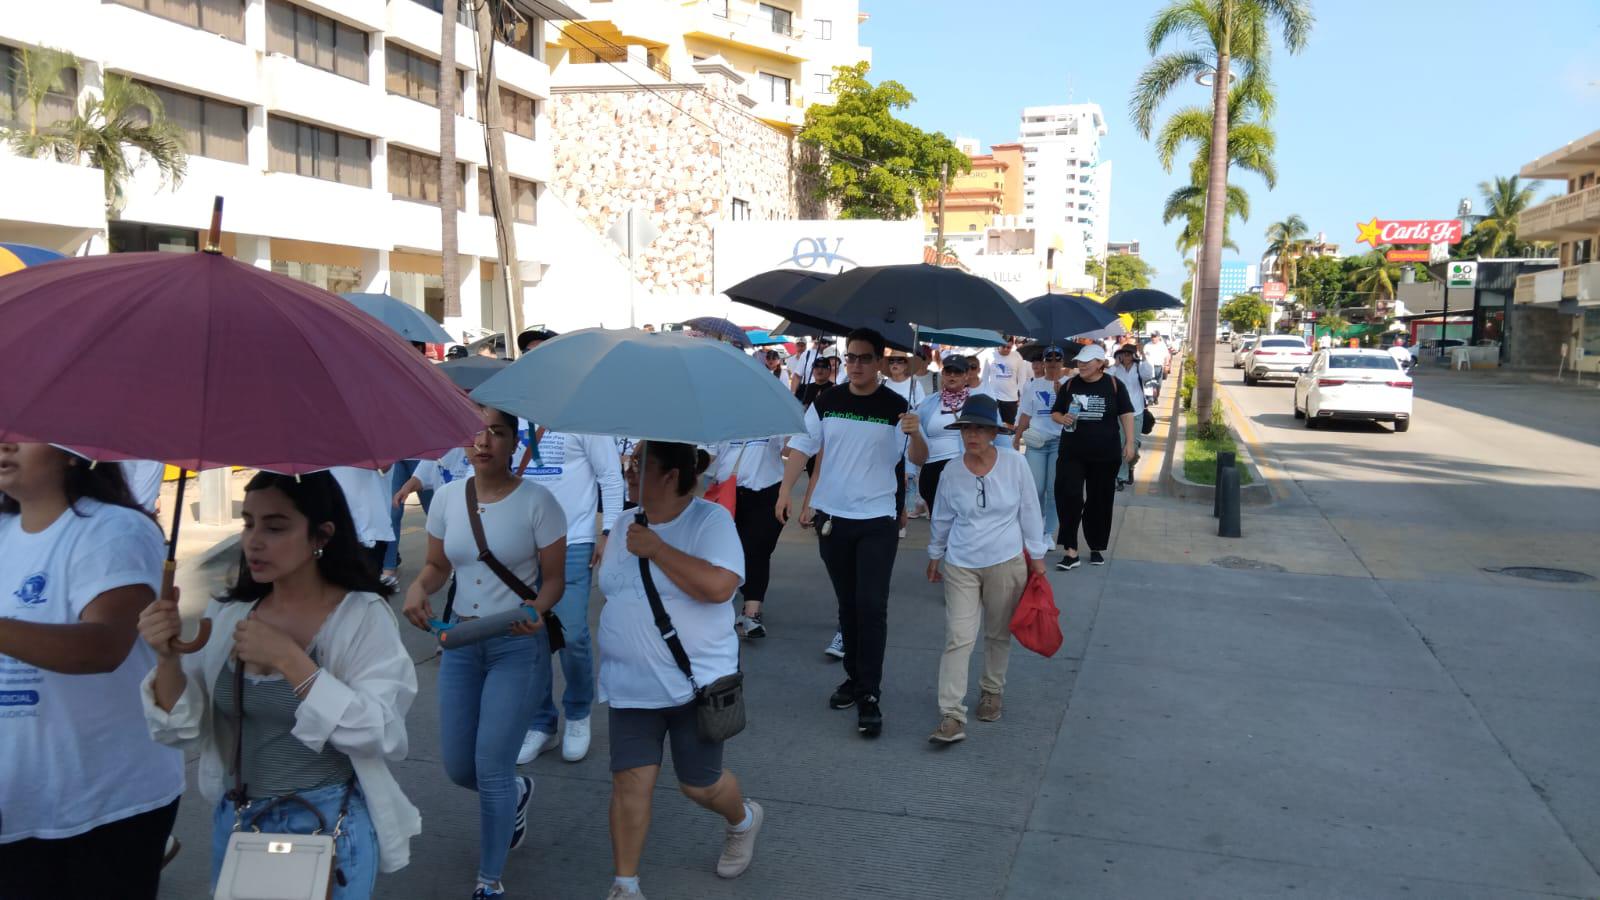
863,427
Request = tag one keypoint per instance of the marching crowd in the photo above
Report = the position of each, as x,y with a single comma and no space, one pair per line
297,705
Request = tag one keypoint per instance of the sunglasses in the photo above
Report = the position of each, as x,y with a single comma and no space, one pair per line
1053,356
860,358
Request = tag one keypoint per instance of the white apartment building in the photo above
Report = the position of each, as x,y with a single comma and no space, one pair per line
316,120
1066,186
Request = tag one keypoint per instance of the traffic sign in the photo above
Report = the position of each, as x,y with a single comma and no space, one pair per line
1462,274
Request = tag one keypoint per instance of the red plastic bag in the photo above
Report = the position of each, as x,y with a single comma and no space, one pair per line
724,492
1037,623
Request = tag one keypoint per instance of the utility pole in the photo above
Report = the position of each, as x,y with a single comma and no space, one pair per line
488,21
938,247
449,178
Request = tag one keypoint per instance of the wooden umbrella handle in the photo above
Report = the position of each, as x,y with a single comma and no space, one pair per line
178,644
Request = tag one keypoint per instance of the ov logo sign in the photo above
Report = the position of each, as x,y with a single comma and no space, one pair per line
811,252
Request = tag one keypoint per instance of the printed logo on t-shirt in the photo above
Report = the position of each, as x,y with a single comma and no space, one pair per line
1046,398
31,593
1092,407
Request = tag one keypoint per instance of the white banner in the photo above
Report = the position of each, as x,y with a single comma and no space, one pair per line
745,248
1024,276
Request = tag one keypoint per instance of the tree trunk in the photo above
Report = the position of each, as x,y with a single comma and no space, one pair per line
499,182
449,176
1205,305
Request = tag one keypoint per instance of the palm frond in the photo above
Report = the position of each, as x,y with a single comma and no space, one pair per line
1293,17
1191,123
1159,78
1194,19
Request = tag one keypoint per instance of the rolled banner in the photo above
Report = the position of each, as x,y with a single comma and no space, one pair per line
462,634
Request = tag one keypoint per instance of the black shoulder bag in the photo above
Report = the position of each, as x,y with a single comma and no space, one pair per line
719,706
552,625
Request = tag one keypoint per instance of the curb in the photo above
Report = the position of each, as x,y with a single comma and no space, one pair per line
1257,493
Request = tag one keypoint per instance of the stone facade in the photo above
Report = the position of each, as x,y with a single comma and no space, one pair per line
617,148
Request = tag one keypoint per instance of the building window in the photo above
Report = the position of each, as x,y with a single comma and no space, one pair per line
517,113
523,34
301,149
781,20
224,17
719,8
316,40
415,176
738,210
211,128
137,237
773,87
59,105
464,11
824,30
411,74
524,199
824,83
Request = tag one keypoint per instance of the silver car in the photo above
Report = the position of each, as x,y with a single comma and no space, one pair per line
1242,344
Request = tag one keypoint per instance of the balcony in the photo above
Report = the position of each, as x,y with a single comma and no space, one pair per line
739,24
1581,283
1541,288
1574,215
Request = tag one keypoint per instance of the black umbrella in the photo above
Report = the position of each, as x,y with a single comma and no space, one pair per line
1064,316
1141,299
927,296
895,334
779,292
722,329
472,371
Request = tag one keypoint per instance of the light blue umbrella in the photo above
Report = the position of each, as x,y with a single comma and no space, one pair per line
629,383
404,319
962,337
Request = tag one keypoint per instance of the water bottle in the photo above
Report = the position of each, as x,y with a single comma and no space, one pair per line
462,634
1074,409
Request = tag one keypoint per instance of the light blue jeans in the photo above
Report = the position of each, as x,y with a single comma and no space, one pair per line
1042,462
486,702
356,848
577,658
1125,471
398,476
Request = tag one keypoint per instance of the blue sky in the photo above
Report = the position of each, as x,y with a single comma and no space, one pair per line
1396,109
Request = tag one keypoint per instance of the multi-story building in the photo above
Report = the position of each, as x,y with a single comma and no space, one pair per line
316,120
973,199
1122,248
1066,189
1561,308
1236,278
1315,248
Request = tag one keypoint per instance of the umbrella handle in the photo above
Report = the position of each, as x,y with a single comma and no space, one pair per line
178,644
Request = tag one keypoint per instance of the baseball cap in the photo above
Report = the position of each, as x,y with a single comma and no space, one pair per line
959,363
1091,353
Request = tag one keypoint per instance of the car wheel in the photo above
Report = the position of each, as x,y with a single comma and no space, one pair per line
1401,426
1248,380
1311,420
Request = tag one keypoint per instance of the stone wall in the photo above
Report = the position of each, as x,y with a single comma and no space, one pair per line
621,148
1536,336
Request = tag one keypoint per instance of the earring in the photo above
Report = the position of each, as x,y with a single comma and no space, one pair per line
317,553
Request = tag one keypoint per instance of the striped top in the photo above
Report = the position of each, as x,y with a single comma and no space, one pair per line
275,761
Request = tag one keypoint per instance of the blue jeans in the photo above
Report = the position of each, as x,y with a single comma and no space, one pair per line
1042,463
398,476
356,848
1125,471
486,702
577,658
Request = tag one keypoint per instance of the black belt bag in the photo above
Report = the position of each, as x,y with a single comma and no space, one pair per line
719,706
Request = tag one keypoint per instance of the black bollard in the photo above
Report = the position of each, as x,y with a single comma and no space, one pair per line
1226,459
1228,502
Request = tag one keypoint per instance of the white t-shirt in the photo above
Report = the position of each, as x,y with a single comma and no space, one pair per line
860,476
636,668
144,480
759,462
799,365
1037,398
1133,379
366,491
74,750
1401,355
971,535
943,442
434,474
1156,353
911,389
1004,374
516,528
579,470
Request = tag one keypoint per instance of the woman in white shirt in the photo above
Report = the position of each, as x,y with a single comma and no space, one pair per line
900,379
86,800
1040,434
696,564
1133,373
986,514
305,685
758,465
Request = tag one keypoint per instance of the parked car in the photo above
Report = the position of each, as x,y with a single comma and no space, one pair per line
1276,356
1241,346
1359,384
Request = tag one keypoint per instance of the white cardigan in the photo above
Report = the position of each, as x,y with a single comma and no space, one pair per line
358,704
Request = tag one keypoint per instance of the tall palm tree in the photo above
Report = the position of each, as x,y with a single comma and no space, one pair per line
1285,240
1188,204
1376,276
1220,33
1505,199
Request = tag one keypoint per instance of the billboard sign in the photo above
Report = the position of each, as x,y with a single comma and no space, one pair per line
1409,255
1408,231
1274,290
1022,275
743,248
1462,274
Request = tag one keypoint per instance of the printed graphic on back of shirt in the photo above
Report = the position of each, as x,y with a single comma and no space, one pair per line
548,459
31,593
1092,406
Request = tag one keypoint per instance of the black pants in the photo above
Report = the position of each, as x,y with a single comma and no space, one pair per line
928,482
1008,411
859,556
1084,493
120,859
758,531
375,555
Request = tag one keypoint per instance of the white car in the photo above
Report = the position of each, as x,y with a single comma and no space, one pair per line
1241,346
1276,356
1360,384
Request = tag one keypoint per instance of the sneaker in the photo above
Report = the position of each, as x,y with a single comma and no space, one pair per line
869,718
844,697
1121,485
902,532
739,847
618,892
534,744
520,829
1068,563
949,731
753,629
575,743
390,580
836,646
989,707
1095,559
486,893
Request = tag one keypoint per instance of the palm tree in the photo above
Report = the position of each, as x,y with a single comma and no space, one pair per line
1376,276
1220,32
1188,204
39,75
1505,199
1285,239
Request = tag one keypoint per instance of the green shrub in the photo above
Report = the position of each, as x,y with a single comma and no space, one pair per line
1216,427
1186,383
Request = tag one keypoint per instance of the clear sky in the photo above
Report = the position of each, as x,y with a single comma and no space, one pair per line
1396,109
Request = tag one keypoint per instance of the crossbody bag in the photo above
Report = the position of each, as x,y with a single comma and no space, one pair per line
552,625
261,864
719,706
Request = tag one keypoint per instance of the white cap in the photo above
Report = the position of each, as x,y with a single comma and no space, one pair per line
1091,353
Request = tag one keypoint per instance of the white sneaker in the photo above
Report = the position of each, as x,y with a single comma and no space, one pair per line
836,646
739,847
534,744
575,743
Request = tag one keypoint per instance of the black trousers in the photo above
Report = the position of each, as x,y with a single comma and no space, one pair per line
375,554
758,531
1008,411
859,556
928,482
1085,491
120,859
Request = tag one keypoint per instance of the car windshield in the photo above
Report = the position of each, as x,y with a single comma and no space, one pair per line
1362,361
1248,342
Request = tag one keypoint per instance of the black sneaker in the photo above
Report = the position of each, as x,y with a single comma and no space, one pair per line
1095,559
1068,563
524,794
753,628
869,718
844,697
